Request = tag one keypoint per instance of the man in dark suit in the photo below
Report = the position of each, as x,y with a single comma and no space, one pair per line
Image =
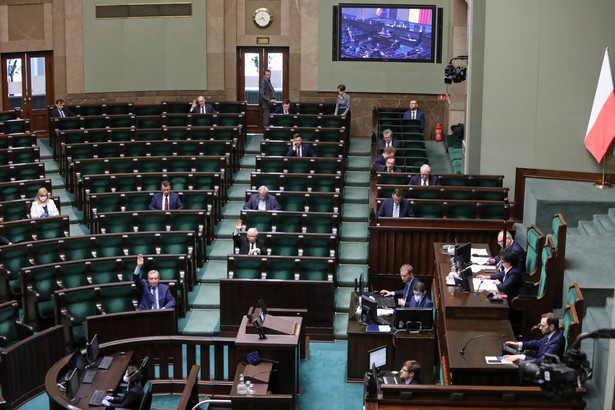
403,295
165,200
266,93
420,299
388,140
262,201
250,244
414,113
60,111
285,108
396,206
424,178
389,166
389,152
505,241
410,372
154,295
200,106
552,342
299,149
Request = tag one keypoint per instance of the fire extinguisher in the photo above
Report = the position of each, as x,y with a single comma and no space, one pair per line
438,132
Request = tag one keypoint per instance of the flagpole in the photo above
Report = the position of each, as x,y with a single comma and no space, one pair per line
604,184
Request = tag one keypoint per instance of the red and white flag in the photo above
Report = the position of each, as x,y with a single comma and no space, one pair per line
601,127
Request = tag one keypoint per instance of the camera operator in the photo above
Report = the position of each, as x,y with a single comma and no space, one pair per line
552,342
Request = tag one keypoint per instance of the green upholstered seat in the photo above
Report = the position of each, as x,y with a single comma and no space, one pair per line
119,298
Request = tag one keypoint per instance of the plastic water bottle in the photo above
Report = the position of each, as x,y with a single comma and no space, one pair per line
242,388
250,387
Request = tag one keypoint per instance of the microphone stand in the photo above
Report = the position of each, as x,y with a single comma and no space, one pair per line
463,349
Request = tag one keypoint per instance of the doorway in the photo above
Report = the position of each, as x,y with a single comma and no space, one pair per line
252,61
27,84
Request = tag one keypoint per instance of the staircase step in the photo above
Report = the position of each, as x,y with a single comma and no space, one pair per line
237,192
354,231
356,178
232,210
243,176
347,273
606,223
590,228
574,231
248,161
356,195
340,326
205,296
354,213
200,322
51,167
224,229
360,146
353,252
358,163
212,271
342,299
219,249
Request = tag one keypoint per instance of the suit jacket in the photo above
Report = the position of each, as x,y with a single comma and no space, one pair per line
174,202
424,303
271,204
381,160
266,93
209,109
518,249
383,168
405,208
415,380
241,242
306,151
512,282
416,180
419,116
407,292
280,110
394,143
165,299
131,399
553,345
55,113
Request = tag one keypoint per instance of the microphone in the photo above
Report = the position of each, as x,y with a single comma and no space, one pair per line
253,376
478,287
463,349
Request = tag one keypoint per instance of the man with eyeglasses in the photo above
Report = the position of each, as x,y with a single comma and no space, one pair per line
410,372
201,106
505,241
552,342
250,244
424,178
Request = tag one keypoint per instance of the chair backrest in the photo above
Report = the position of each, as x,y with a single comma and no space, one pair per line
535,243
546,258
146,402
575,297
144,370
572,325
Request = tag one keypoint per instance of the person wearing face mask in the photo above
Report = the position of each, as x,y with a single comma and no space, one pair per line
134,392
43,206
420,299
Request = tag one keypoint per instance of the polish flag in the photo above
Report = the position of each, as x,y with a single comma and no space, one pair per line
378,11
601,127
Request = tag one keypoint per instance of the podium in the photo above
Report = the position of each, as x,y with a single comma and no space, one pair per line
280,348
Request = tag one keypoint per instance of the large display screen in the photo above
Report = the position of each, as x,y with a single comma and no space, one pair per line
376,32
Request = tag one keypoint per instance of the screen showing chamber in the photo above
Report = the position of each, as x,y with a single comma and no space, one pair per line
392,32
378,357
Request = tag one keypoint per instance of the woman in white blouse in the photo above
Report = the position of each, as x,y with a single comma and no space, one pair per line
43,205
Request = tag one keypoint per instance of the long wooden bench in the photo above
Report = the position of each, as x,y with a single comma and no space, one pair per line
304,165
291,221
19,209
40,281
15,126
19,155
198,221
150,181
458,209
305,201
308,134
12,329
35,229
444,192
309,120
291,268
139,200
14,190
322,149
21,172
15,257
299,244
297,182
445,179
26,139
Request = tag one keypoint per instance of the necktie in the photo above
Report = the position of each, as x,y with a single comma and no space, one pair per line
395,210
424,183
202,110
62,113
285,112
154,292
166,203
414,115
299,151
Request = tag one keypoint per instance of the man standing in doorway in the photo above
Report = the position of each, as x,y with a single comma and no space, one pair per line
267,96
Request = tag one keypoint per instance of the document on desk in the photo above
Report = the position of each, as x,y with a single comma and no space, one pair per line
496,360
485,284
378,329
480,260
479,252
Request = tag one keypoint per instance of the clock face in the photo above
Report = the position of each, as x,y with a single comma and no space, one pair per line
262,17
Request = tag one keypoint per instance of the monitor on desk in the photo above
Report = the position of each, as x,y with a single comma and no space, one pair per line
78,361
414,319
463,256
71,383
369,310
93,350
377,359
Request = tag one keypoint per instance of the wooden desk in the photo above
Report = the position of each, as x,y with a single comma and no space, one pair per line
279,347
258,375
420,346
106,380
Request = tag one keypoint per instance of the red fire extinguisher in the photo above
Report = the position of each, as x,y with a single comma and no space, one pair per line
438,132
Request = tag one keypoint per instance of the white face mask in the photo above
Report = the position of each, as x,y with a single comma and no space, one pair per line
43,198
125,378
418,298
